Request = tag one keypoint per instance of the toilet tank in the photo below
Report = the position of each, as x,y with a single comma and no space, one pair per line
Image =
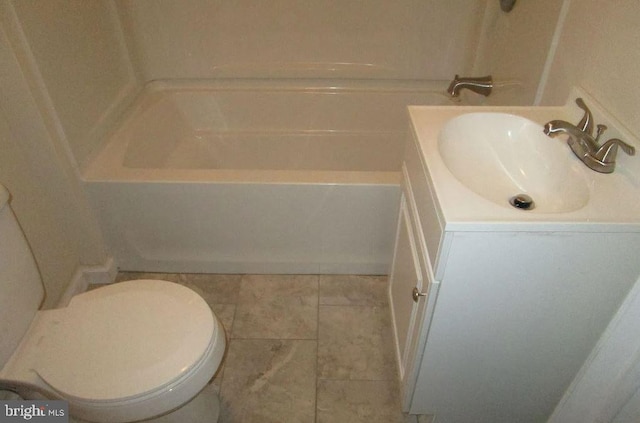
21,289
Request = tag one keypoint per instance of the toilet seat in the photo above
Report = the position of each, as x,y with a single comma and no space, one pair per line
122,348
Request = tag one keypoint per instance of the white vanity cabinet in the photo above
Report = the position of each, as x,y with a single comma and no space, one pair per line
412,287
509,315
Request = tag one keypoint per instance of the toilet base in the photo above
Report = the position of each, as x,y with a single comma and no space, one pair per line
203,408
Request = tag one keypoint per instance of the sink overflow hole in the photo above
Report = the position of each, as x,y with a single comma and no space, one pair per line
522,201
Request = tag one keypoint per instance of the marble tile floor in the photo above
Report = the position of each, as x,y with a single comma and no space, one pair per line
301,348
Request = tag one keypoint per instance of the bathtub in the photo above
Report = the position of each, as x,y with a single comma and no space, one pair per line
242,176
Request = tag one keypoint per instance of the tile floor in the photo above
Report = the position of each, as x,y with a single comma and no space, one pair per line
301,348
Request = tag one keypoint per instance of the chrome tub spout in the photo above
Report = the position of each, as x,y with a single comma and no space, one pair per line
480,85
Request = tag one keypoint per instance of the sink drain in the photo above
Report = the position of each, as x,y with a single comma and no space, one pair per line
522,201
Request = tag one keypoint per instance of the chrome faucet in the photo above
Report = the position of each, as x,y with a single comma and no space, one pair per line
481,85
586,123
601,158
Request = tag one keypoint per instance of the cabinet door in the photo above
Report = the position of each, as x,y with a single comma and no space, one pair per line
405,276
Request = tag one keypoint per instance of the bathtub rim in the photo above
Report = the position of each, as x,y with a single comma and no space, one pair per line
310,85
107,162
289,177
108,166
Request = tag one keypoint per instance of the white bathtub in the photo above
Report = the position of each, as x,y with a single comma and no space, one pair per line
256,176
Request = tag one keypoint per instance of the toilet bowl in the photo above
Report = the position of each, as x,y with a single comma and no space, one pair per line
121,353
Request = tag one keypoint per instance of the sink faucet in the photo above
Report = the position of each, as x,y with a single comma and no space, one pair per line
586,123
601,158
481,85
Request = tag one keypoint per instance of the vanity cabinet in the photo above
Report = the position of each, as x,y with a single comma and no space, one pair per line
412,287
411,292
508,316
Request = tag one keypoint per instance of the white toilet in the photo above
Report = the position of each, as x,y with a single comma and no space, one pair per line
126,352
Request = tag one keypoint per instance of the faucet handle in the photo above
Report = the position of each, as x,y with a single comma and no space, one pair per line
586,123
600,128
607,152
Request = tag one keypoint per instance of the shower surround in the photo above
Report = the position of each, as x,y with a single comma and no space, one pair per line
268,138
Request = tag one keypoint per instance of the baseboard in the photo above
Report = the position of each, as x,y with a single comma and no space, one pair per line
87,275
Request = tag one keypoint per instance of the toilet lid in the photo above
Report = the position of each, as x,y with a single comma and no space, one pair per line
125,340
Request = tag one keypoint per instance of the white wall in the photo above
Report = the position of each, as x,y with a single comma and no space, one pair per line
64,76
414,39
599,50
79,52
513,48
46,196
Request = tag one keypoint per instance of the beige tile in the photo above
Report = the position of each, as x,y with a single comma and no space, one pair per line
358,401
216,382
215,289
269,381
354,342
224,313
272,378
410,418
94,286
128,276
353,290
277,307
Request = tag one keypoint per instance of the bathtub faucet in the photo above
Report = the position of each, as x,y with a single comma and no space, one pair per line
481,85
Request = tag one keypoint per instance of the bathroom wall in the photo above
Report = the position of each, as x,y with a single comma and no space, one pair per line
599,51
45,197
52,99
79,51
408,39
513,48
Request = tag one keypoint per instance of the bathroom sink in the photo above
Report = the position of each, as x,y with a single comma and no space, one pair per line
500,156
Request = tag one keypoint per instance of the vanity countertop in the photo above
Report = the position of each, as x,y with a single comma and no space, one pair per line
614,199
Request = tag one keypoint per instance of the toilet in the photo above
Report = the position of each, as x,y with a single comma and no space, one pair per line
136,350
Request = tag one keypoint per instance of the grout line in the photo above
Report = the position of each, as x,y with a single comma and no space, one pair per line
355,380
355,305
273,339
315,374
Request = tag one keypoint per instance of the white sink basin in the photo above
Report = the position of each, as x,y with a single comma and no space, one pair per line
499,156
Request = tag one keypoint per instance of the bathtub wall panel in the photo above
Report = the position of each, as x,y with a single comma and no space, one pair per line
514,47
407,39
78,52
50,205
214,227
